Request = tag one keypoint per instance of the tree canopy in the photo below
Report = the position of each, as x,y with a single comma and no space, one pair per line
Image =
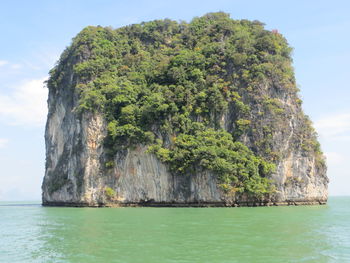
168,84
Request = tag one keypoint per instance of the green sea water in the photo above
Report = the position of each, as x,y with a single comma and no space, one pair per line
32,233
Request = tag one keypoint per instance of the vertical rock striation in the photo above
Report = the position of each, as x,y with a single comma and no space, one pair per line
76,150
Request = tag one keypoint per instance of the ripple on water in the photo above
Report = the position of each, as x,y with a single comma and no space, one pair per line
31,233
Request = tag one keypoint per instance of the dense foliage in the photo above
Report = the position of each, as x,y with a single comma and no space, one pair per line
238,169
169,85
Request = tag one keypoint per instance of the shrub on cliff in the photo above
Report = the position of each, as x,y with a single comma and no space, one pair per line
169,85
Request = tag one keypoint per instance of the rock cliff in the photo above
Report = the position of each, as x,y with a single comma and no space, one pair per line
234,77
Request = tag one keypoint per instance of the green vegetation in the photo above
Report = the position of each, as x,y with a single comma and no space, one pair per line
110,193
238,169
168,85
307,140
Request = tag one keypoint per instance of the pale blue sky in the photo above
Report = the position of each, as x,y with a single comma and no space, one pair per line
34,33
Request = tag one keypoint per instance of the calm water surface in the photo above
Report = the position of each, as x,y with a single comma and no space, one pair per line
31,233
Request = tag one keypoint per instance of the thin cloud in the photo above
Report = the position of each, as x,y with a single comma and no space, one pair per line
3,63
26,104
3,142
8,67
335,127
16,66
46,59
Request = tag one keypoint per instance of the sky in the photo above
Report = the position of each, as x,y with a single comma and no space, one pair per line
34,33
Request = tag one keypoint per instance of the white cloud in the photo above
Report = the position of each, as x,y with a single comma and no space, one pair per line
26,104
3,62
335,127
3,142
16,66
8,67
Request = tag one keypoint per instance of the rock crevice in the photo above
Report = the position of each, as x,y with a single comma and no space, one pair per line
80,172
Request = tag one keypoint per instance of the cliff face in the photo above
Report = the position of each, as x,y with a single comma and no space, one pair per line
77,149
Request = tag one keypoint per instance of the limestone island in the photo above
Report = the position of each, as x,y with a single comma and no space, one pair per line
168,113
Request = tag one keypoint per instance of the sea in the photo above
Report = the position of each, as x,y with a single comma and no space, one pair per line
30,232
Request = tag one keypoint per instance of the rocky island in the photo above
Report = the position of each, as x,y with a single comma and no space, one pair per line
167,113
